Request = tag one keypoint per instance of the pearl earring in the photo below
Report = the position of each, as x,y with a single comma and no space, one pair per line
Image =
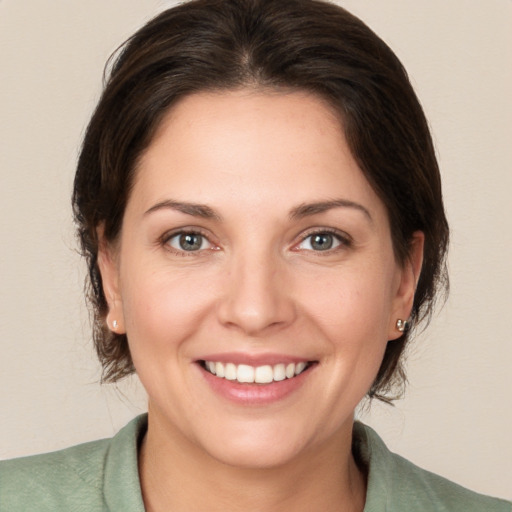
402,325
114,324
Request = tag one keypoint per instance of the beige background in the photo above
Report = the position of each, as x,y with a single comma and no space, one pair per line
456,418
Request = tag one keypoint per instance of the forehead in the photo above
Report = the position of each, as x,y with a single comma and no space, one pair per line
257,148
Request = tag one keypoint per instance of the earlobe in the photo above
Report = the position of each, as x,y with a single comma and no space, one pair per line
108,267
410,274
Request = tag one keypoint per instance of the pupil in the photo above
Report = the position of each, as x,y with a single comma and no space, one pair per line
322,242
190,242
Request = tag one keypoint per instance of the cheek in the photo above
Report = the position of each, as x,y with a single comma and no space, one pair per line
350,303
163,307
352,311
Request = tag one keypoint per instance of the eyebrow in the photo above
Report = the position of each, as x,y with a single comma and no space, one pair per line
299,212
308,209
194,209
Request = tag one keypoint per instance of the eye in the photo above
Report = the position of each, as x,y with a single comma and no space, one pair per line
189,242
322,241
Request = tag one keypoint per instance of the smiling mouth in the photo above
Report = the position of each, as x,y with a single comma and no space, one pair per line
265,374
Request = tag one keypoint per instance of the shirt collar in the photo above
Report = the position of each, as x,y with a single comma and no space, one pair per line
121,485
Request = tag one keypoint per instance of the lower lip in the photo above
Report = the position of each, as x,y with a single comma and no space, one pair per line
254,394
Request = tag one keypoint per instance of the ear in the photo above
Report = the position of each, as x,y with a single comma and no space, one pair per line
108,266
409,276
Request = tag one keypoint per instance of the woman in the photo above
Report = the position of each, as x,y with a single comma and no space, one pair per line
260,207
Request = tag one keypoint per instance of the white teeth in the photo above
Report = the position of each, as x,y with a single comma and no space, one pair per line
219,370
260,374
245,373
299,368
290,371
279,372
230,371
264,374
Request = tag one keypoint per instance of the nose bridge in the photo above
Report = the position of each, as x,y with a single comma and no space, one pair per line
256,297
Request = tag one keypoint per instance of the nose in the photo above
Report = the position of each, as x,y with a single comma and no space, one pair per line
257,297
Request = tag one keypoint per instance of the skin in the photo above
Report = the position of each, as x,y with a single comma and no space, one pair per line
256,286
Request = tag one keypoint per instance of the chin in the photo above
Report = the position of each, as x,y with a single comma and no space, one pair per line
256,446
243,456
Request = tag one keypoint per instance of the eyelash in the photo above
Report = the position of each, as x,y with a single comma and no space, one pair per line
167,237
344,241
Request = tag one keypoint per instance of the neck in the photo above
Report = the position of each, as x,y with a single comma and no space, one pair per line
176,475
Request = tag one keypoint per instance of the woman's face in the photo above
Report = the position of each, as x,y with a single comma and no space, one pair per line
253,247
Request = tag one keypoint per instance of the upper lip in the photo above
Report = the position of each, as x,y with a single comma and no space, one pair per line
254,359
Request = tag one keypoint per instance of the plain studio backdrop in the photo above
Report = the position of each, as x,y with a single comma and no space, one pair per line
456,418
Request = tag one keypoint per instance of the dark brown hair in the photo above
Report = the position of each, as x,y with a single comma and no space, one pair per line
308,45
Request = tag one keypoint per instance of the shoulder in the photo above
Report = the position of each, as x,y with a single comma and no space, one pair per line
396,484
49,481
77,478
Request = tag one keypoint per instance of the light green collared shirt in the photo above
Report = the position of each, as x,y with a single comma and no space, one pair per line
102,476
